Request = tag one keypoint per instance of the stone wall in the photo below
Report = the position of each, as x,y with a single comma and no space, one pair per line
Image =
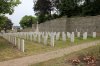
55,25
28,30
81,24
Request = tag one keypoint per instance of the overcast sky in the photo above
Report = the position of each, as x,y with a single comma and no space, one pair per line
25,8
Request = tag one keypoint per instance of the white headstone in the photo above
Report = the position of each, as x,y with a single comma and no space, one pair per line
15,41
45,39
72,37
68,35
63,36
39,37
35,36
85,35
78,34
52,39
58,36
19,43
22,45
94,34
42,34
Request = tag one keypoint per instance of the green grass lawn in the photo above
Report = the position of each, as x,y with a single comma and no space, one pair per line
36,48
8,51
63,61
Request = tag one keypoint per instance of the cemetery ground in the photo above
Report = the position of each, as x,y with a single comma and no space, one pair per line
86,57
7,51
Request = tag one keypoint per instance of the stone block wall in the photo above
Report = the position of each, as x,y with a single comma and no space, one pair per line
55,25
81,24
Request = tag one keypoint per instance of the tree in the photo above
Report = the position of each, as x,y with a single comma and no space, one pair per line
7,6
67,7
27,21
6,24
77,7
91,8
43,10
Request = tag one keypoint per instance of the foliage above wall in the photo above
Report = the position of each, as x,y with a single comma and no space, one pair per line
27,21
44,8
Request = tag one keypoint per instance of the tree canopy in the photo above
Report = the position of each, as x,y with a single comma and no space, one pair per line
43,9
27,21
69,8
5,24
91,7
7,6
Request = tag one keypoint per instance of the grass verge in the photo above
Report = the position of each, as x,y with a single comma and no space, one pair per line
64,61
8,51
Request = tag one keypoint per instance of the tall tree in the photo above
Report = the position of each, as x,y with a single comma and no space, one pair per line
67,7
6,24
43,9
91,7
7,6
27,21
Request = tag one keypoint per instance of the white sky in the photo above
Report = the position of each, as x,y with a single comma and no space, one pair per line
25,8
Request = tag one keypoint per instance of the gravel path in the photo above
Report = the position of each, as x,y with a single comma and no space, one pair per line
25,61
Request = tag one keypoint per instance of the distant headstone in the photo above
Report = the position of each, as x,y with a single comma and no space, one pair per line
39,37
57,36
63,36
15,41
52,39
42,35
35,36
45,39
85,35
68,35
94,34
72,37
78,34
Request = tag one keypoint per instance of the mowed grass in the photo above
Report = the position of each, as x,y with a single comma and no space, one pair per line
64,61
8,51
36,48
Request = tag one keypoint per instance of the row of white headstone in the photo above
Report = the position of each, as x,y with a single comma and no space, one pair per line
17,42
43,36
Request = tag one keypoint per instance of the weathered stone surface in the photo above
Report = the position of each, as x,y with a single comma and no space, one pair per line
88,24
